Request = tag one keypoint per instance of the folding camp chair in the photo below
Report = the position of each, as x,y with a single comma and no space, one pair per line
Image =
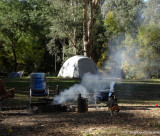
101,96
104,95
38,87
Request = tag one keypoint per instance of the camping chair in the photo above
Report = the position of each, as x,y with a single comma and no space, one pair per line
5,94
104,95
38,86
101,96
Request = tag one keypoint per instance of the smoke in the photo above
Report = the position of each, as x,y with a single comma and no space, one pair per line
126,59
89,85
132,59
94,82
112,67
134,55
71,94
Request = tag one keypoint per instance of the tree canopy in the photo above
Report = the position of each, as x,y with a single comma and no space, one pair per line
117,34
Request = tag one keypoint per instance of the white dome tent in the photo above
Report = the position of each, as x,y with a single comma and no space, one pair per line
77,66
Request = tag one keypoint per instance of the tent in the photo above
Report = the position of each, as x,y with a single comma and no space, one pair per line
15,74
77,66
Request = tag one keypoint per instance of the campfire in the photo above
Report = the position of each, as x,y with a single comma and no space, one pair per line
47,105
50,105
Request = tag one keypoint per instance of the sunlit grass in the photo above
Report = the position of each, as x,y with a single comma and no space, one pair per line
128,91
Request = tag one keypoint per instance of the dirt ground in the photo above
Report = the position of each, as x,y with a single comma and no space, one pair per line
133,119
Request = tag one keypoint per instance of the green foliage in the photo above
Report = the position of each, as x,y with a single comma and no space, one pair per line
99,39
12,28
66,20
138,49
123,14
23,34
111,24
149,40
149,35
134,67
40,35
152,11
102,58
141,56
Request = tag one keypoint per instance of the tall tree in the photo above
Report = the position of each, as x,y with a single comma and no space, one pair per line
66,21
89,8
22,32
12,21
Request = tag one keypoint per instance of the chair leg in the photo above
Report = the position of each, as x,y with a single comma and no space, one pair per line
30,96
48,93
96,104
0,105
30,100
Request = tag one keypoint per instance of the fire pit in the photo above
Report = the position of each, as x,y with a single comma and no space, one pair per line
48,106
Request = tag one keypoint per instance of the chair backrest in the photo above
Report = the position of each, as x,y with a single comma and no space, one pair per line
38,81
101,95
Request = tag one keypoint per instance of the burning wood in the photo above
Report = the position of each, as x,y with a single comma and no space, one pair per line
44,107
50,105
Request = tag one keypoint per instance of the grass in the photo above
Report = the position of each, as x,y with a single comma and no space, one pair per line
139,91
128,91
21,86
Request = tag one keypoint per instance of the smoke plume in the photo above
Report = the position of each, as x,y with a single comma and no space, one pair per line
89,85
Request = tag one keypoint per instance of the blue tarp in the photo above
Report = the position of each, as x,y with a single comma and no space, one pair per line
15,74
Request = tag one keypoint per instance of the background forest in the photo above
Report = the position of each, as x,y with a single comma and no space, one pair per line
122,37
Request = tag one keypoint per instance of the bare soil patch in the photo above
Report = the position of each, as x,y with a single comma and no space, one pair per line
133,119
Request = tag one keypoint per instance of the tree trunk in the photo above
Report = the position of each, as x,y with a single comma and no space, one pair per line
14,51
85,29
74,40
88,28
74,31
55,63
15,57
90,31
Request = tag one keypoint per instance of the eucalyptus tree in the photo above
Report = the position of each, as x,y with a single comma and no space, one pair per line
66,19
90,9
78,21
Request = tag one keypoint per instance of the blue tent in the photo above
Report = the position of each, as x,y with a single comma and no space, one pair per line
15,74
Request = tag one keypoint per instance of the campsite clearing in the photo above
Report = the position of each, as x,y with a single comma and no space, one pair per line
138,115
